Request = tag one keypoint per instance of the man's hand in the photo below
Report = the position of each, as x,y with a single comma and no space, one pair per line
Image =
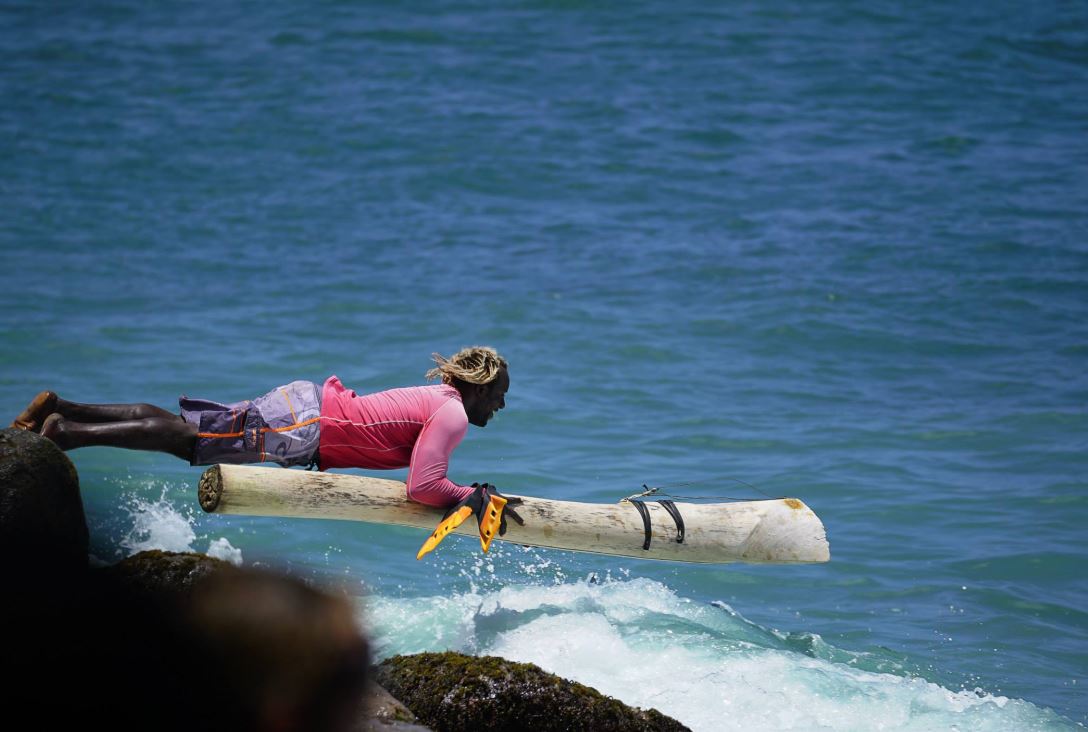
490,508
507,509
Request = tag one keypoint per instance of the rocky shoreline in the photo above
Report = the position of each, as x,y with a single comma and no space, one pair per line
264,651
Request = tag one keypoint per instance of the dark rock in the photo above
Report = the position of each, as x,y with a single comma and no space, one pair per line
222,648
383,713
86,647
452,692
161,640
157,571
42,525
118,643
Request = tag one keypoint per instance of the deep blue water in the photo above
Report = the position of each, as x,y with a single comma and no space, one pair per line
835,250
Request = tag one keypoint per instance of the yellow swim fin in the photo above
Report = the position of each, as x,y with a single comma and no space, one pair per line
491,520
490,509
443,529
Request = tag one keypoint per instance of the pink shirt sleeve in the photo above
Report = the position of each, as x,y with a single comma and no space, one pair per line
427,481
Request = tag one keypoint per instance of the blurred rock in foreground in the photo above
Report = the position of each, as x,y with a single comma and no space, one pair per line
161,640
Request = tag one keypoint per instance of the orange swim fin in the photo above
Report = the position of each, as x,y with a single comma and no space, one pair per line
491,520
444,528
490,509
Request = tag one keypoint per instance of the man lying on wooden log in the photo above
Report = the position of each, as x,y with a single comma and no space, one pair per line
325,427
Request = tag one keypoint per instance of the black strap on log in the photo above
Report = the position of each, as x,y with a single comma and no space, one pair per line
670,507
675,513
645,514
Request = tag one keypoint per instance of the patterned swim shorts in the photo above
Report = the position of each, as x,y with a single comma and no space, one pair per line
282,427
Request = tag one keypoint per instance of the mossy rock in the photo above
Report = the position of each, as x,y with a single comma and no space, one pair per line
159,572
384,713
450,692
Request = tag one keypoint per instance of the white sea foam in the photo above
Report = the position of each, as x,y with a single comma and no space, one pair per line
158,524
221,549
703,664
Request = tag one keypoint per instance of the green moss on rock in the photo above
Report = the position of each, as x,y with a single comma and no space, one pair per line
452,691
159,572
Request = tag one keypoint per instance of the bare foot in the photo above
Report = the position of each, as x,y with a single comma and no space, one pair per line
36,412
53,428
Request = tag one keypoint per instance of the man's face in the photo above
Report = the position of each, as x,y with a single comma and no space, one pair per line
490,398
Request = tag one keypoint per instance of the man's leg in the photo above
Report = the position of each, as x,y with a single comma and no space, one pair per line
170,434
110,412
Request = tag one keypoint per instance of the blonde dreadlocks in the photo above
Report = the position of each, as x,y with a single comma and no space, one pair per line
475,365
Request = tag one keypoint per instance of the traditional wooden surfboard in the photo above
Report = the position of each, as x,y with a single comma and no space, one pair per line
782,530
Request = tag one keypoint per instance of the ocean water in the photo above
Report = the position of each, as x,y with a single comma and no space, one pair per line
831,250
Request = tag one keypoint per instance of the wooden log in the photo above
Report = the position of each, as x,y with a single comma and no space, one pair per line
782,530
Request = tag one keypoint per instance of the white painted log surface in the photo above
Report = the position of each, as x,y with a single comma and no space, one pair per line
767,531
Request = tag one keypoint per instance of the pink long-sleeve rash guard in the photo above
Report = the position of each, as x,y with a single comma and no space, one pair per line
416,427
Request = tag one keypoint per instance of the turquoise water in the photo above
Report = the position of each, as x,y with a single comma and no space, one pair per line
837,251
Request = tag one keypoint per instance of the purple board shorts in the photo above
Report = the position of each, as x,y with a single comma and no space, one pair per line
282,427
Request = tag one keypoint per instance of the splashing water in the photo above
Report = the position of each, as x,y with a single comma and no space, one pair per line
221,549
158,524
704,664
